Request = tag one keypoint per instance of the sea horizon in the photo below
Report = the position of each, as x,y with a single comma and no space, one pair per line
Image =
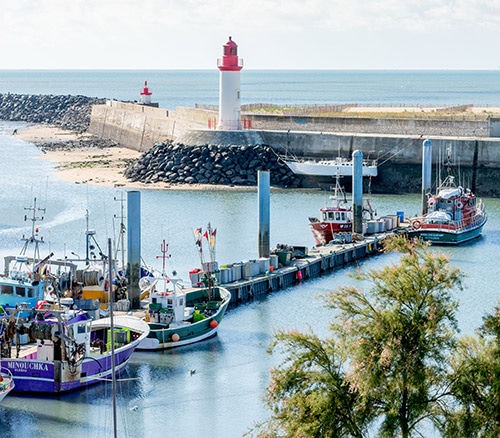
190,87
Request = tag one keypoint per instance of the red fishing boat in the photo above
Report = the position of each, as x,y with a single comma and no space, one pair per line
335,223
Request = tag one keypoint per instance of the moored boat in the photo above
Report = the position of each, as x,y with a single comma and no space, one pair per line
57,351
28,278
179,315
328,168
335,222
452,215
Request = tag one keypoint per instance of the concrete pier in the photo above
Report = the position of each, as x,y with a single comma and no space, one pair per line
319,261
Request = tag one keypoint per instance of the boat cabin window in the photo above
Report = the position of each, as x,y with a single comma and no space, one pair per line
331,216
81,328
21,291
7,290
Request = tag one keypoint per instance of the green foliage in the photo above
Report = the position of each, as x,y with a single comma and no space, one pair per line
399,334
386,363
308,394
476,384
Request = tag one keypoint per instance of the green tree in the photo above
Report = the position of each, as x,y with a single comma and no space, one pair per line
308,394
384,367
476,384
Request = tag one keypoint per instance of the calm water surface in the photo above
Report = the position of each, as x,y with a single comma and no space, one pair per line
172,88
223,398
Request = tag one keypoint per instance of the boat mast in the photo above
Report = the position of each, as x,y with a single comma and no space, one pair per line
426,172
121,240
34,233
112,327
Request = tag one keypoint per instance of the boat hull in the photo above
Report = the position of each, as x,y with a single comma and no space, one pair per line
442,236
33,374
327,169
324,232
162,337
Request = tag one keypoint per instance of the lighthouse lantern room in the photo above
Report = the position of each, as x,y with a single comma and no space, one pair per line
229,87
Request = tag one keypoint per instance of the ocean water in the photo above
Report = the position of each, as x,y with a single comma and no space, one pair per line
224,397
172,88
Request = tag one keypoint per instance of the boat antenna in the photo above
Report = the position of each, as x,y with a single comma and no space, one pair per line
164,254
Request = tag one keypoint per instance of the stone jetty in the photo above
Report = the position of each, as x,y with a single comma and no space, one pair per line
213,164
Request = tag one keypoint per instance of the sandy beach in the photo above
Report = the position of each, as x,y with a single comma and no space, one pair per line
103,166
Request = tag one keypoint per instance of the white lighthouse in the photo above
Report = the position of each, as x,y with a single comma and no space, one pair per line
229,87
146,94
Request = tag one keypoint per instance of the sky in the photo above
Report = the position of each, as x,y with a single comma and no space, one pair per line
271,34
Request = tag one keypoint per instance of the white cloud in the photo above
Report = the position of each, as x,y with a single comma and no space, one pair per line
271,33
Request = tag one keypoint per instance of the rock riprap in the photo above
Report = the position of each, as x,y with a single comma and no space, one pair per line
174,163
68,112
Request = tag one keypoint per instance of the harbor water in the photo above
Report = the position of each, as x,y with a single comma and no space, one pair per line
159,392
214,388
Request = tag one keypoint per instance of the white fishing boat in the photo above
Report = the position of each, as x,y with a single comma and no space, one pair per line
181,316
328,168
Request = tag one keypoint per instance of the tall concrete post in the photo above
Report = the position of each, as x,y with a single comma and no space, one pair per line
426,172
264,185
134,247
357,191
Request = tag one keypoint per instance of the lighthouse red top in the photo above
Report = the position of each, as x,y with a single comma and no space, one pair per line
145,91
230,61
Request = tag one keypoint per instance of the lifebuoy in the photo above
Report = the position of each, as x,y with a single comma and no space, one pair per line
50,288
416,224
432,201
459,205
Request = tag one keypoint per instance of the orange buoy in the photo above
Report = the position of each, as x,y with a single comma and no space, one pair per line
299,274
175,337
213,323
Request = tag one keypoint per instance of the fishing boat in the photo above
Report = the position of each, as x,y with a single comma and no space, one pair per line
61,350
328,168
28,277
335,222
6,382
452,215
179,315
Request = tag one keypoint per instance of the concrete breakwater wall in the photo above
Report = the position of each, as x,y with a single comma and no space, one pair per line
140,127
68,112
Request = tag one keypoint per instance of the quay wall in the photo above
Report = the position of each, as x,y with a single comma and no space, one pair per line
388,126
